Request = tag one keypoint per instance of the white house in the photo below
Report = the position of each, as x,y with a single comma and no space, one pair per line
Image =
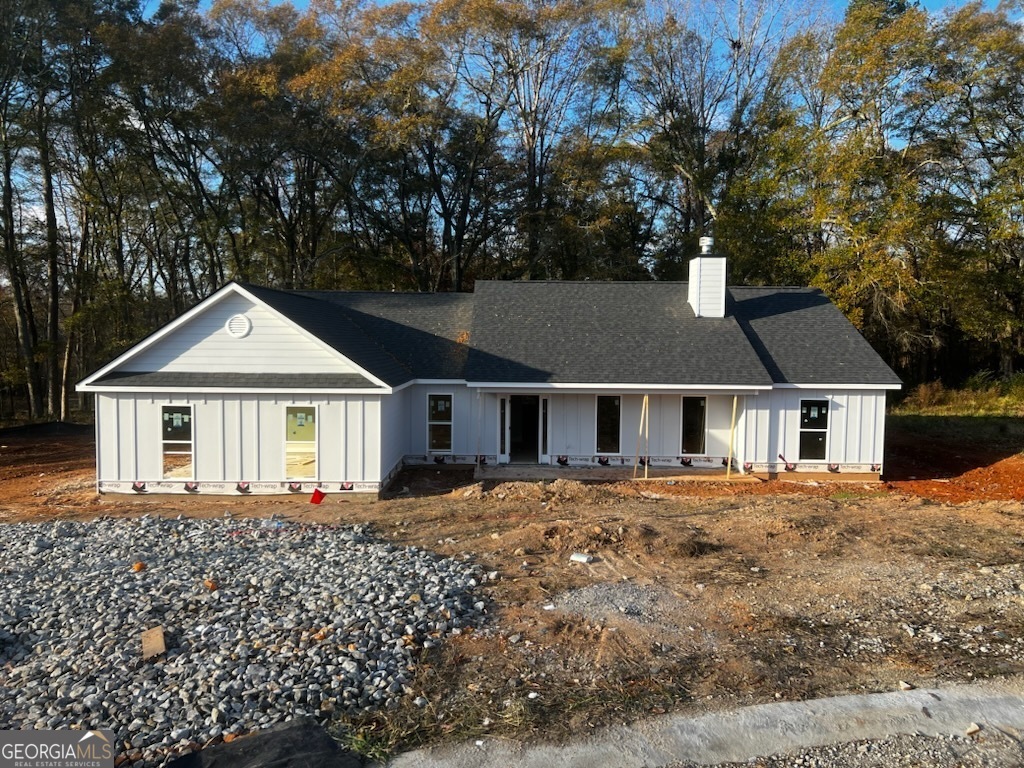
264,391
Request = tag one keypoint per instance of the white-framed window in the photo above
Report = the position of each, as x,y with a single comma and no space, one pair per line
300,440
695,426
439,423
609,423
813,430
176,436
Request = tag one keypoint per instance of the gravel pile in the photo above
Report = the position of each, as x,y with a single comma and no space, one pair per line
263,620
611,601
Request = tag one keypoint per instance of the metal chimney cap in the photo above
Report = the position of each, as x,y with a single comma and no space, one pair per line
706,244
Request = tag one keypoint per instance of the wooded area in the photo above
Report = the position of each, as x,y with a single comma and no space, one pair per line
148,159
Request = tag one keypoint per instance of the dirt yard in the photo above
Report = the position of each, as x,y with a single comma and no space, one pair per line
699,595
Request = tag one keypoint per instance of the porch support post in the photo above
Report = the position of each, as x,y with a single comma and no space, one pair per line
640,435
479,425
647,435
732,438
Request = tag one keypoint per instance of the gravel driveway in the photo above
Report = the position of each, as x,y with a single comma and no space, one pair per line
263,620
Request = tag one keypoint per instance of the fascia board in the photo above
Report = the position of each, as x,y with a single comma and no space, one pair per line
237,390
498,386
839,386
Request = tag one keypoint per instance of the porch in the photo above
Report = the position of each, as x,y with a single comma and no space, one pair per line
501,473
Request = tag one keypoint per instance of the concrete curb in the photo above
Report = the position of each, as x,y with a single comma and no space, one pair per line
755,731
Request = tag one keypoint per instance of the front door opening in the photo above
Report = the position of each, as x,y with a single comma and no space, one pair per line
524,429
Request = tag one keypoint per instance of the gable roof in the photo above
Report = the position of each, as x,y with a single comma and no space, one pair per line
523,332
801,337
605,333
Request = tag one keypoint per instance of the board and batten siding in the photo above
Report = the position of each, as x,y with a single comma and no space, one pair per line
394,429
574,424
272,345
238,437
856,427
464,418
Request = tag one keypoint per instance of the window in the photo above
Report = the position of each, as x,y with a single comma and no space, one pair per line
300,442
813,429
694,424
176,435
439,423
608,420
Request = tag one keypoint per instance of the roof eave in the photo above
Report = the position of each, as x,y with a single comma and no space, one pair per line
859,386
236,390
622,386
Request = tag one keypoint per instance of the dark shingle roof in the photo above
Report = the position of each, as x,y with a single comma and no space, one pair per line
158,379
332,325
601,332
564,332
427,332
803,338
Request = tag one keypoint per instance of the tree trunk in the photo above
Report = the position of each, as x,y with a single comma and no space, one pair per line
22,299
53,378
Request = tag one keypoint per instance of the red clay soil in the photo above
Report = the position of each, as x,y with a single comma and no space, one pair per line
954,472
1000,481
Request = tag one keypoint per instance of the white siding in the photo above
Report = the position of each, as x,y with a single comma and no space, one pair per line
464,418
719,425
666,425
706,287
856,426
238,437
574,425
272,346
487,409
394,429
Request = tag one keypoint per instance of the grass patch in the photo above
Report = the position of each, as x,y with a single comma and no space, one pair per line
460,711
982,395
853,495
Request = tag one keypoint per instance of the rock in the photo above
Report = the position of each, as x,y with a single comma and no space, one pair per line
277,639
905,686
580,557
972,729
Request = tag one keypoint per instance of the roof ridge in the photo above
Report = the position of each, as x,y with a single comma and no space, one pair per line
585,282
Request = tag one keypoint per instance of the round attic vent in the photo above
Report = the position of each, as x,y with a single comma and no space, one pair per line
238,326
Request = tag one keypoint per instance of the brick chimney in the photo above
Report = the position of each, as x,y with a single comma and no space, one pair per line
706,291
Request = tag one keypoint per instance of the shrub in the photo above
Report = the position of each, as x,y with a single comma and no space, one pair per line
982,381
927,395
